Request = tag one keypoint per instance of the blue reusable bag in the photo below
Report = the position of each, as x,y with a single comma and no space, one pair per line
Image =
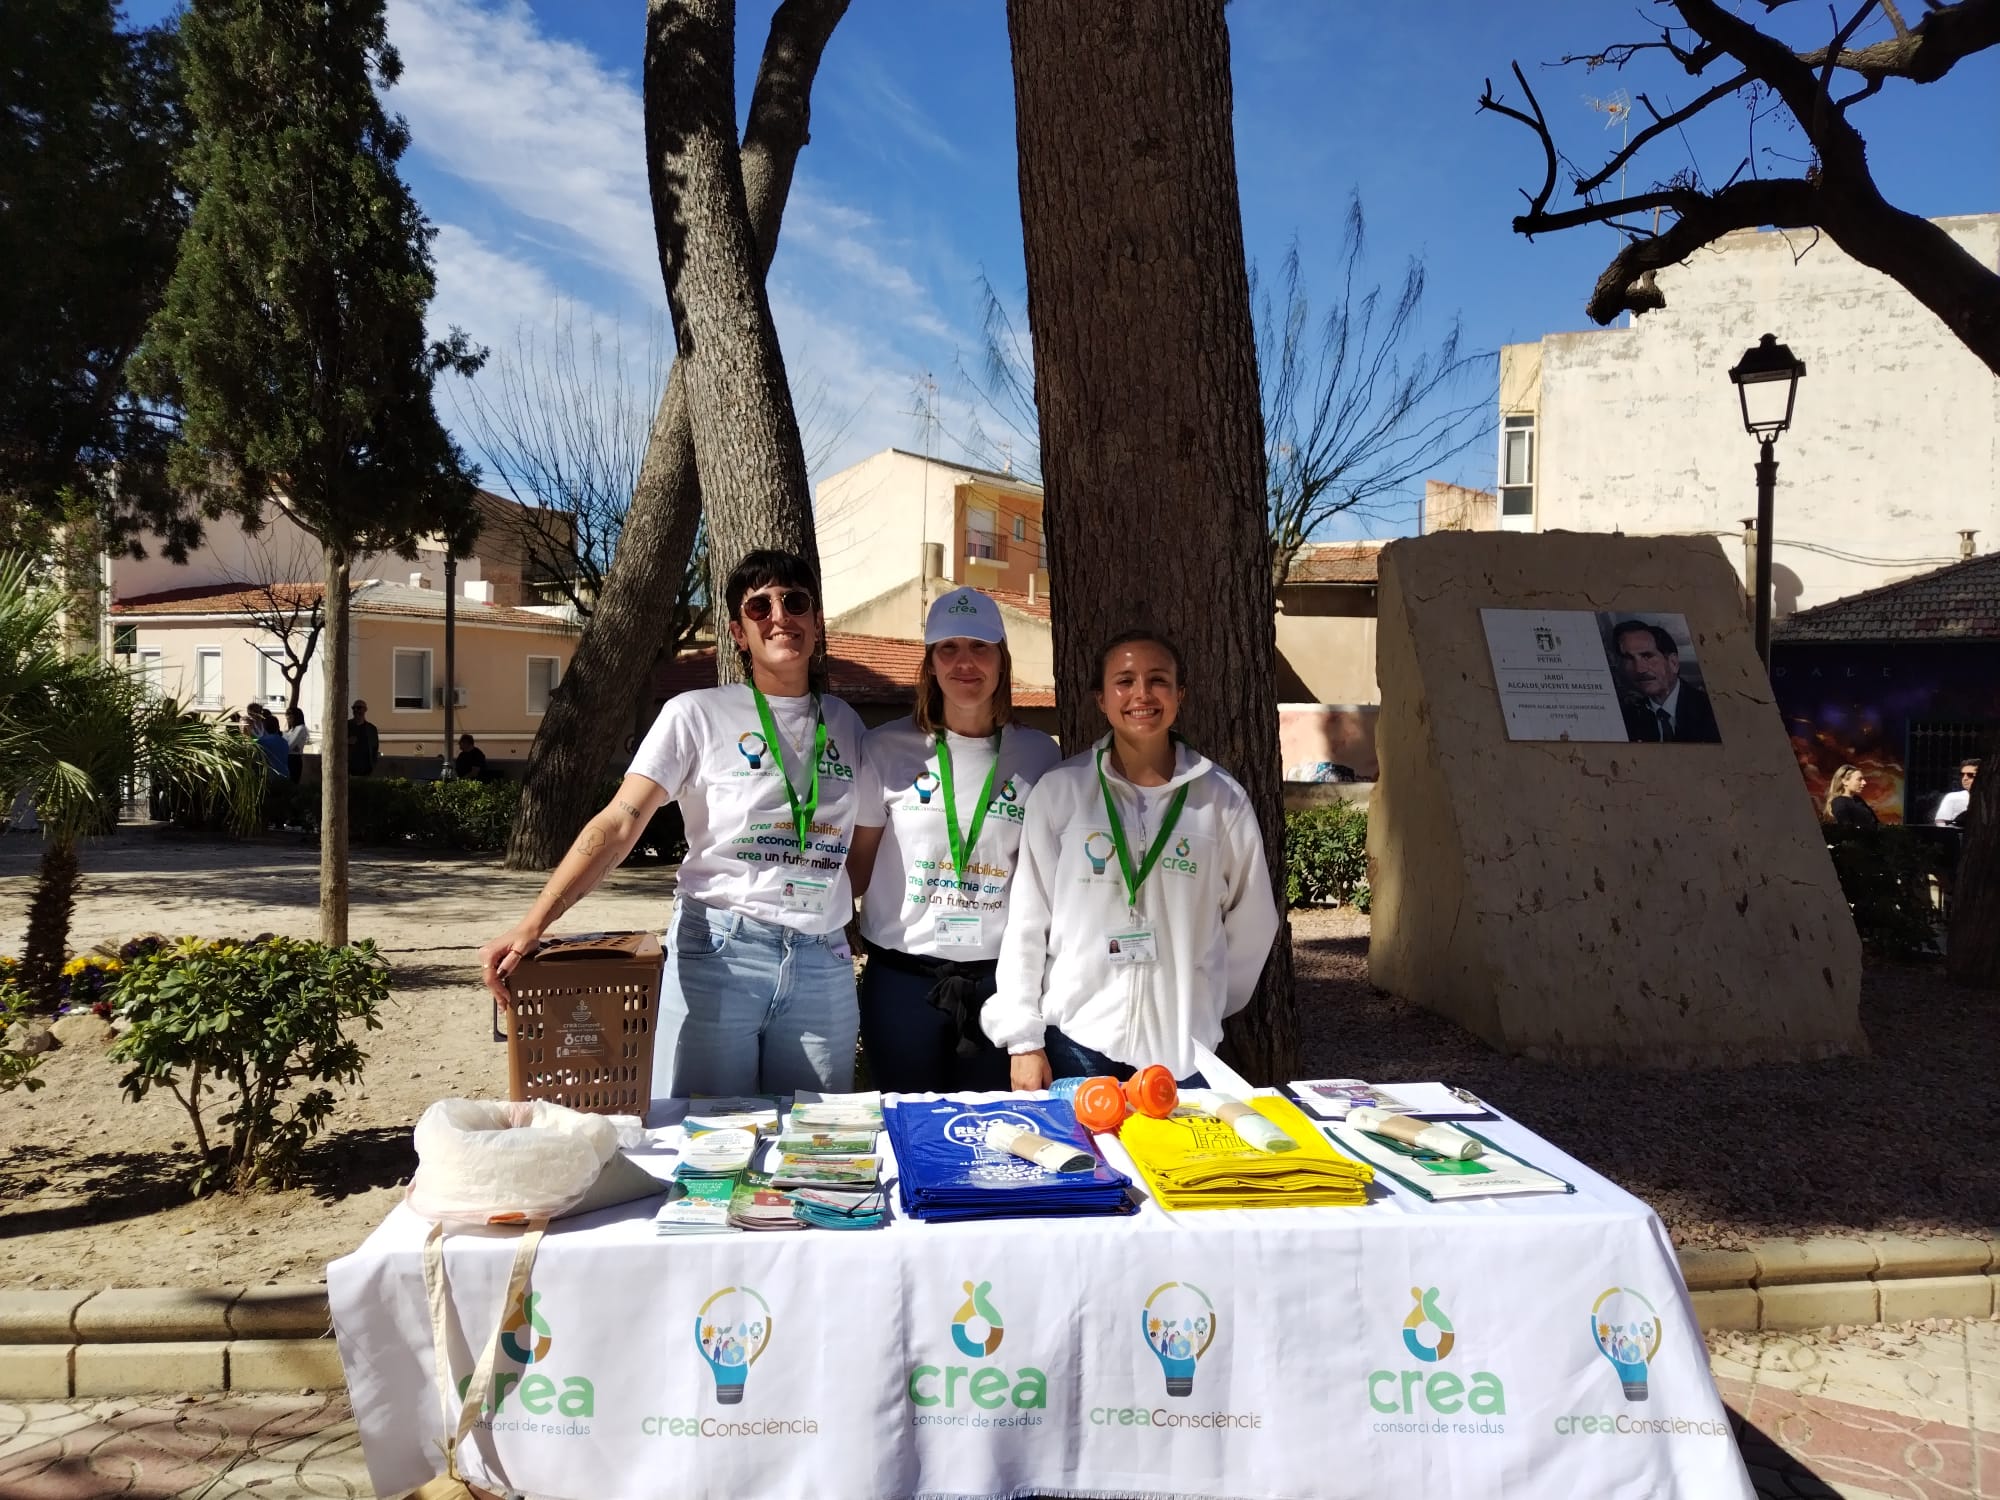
946,1172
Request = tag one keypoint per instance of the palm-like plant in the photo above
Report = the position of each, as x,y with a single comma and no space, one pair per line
74,728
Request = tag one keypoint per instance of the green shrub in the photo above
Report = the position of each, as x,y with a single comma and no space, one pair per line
16,1068
253,1019
1326,854
1885,875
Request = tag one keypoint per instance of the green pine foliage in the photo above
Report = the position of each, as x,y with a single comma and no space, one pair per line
90,122
292,335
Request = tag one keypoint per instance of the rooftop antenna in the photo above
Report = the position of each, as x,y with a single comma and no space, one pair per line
1617,110
923,406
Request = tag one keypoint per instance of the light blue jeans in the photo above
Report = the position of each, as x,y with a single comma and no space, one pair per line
759,1008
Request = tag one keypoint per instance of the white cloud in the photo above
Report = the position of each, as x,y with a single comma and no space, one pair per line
484,292
552,141
539,123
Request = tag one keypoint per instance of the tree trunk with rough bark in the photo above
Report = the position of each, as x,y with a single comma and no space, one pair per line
49,911
610,678
1972,949
333,753
746,434
1146,377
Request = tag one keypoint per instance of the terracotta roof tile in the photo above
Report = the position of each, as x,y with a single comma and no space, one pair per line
370,598
1037,606
1960,602
1335,562
864,669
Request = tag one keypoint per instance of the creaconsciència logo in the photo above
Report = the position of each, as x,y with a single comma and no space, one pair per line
525,1337
732,1331
1097,847
976,1327
752,747
1180,1323
1626,1329
1427,1311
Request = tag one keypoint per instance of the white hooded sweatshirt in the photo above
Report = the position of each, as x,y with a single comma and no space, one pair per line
1208,901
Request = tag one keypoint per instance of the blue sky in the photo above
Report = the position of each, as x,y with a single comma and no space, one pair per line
528,155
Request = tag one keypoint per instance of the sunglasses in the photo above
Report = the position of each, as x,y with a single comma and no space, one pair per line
796,602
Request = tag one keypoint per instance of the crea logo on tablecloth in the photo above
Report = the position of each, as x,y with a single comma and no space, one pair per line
732,1329
526,1338
1179,1324
1438,1403
977,1332
1627,1331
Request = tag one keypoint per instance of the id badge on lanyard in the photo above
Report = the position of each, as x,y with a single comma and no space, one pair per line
805,890
1134,943
956,929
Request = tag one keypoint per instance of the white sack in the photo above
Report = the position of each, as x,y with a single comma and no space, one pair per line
480,1160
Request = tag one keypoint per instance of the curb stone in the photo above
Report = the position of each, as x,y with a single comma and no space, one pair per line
57,1344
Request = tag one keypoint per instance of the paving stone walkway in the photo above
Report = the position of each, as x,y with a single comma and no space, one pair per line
1872,1414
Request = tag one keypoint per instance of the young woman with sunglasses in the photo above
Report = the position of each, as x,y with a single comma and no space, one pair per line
759,989
1142,910
955,779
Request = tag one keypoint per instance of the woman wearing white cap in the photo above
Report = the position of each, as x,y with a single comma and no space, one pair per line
1143,909
955,781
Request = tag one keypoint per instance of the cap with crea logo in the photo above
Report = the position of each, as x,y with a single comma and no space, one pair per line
965,613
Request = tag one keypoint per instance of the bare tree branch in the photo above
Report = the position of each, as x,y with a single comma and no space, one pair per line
1837,195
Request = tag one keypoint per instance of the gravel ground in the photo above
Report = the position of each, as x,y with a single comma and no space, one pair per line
1899,1141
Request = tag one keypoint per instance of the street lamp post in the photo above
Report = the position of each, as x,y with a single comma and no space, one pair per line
1767,382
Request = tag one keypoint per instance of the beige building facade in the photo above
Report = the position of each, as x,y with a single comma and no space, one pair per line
1892,457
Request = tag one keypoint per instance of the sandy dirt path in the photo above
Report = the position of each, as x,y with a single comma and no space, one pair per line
89,1194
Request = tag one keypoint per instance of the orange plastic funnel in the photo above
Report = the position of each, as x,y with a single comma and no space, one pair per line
1152,1091
1099,1104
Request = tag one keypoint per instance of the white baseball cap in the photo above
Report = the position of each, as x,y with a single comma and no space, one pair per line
964,613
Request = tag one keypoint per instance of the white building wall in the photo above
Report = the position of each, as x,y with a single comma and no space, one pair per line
873,520
280,553
1894,446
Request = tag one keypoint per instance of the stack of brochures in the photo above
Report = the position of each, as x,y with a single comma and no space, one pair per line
1193,1160
840,1208
757,1206
1494,1173
948,1172
757,1114
844,1112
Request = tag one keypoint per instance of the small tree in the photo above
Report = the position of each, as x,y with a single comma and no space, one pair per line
287,608
74,730
1353,413
292,336
254,1018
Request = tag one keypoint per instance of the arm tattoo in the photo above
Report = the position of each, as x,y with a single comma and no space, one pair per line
627,808
590,843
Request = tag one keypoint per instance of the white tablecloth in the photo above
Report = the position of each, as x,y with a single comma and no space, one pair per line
1318,1364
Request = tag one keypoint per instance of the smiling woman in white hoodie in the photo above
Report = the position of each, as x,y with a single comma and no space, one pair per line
1142,910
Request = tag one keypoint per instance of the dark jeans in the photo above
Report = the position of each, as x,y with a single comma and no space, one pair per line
911,1044
1071,1059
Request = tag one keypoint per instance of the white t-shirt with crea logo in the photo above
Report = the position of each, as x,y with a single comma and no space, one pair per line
707,750
916,901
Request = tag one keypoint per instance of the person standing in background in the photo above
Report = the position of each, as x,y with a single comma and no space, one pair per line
364,742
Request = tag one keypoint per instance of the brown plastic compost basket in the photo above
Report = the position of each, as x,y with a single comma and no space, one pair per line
582,1024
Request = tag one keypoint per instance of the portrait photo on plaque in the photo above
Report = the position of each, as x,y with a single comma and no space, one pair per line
1658,678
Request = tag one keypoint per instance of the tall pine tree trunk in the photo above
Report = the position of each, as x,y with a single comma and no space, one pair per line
333,753
1972,949
746,434
49,913
1146,378
610,677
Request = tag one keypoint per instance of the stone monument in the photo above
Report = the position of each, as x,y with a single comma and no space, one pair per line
1657,904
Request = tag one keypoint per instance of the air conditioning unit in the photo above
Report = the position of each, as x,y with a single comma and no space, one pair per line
458,698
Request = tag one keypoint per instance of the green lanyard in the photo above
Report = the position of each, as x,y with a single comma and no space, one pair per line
802,815
1134,880
963,843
